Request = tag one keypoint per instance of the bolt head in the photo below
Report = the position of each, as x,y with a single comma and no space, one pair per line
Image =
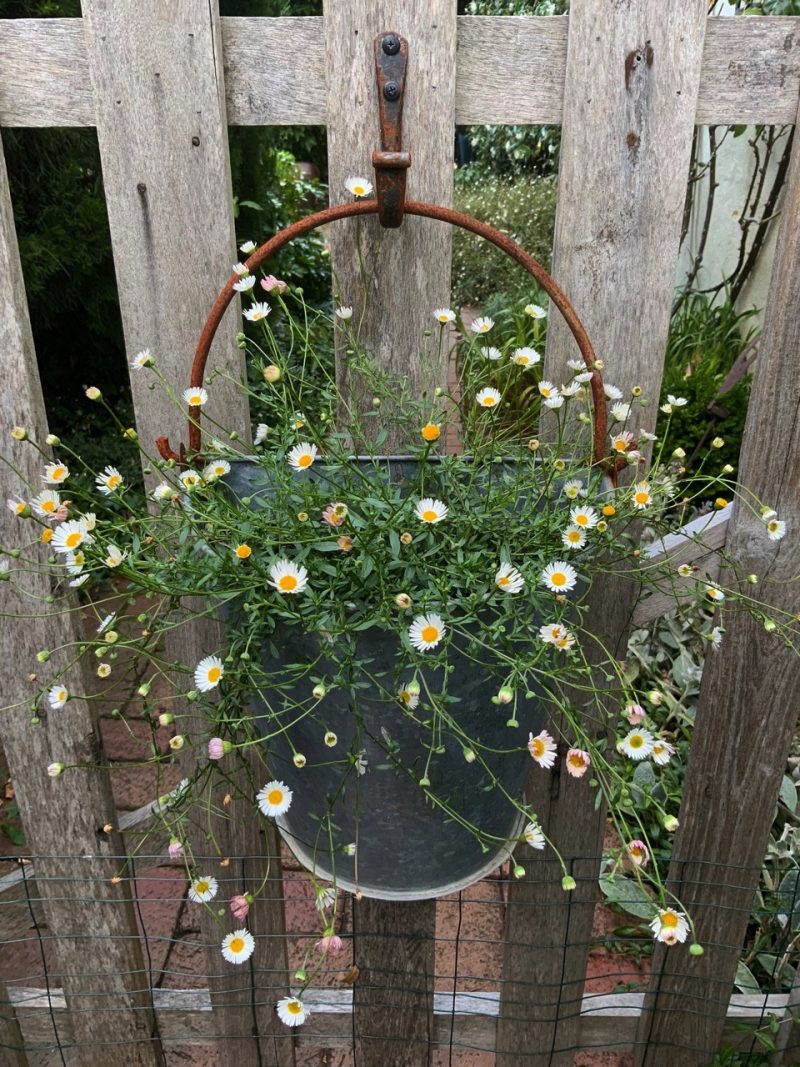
391,44
391,91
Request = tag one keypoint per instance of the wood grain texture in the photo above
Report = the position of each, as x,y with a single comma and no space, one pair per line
408,270
159,95
510,70
61,816
630,93
748,705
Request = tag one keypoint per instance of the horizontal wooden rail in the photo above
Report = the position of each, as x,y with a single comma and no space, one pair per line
510,69
607,1021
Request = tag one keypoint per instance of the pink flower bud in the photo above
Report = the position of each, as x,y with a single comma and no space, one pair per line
271,282
634,713
330,943
240,906
175,849
216,748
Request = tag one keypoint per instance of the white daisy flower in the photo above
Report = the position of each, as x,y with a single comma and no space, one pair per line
409,695
292,1011
775,528
218,468
241,269
525,357
70,535
302,456
77,582
46,504
238,946
426,631
576,364
642,497
288,577
247,247
482,324
547,390
611,391
559,576
571,390
163,492
361,762
557,635
191,480
713,592
257,312
491,353
715,637
114,556
444,315
662,750
620,412
142,359
358,187
18,506
488,397
245,284
274,799
554,402
542,749
195,397
645,435
203,889
430,510
572,489
586,518
637,744
343,313
324,897
533,835
55,473
677,401
508,578
109,481
621,442
583,377
208,673
57,696
535,311
574,537
670,926
262,431
105,623
74,562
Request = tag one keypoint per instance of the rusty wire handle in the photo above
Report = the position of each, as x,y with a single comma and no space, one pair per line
430,211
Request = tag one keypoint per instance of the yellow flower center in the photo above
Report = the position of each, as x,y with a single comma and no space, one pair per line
669,919
47,536
243,551
642,497
48,506
609,510
287,583
489,401
772,526
430,633
576,761
236,945
358,190
201,887
405,696
74,539
430,432
620,444
194,400
544,390
275,796
429,515
537,747
305,460
113,481
58,474
214,673
294,1007
636,741
581,519
443,318
503,580
574,537
559,578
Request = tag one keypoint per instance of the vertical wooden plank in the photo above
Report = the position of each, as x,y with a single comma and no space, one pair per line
12,1043
159,101
409,276
748,708
630,97
87,916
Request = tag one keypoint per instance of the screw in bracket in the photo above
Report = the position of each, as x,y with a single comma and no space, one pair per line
391,91
391,44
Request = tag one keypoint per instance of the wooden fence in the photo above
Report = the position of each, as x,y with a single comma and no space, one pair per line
628,82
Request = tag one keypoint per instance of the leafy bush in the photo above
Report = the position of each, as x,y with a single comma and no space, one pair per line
525,210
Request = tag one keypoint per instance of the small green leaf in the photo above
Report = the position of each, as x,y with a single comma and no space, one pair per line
628,895
745,980
788,793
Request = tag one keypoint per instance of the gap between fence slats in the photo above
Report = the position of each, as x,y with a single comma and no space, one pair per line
747,711
65,814
630,100
510,70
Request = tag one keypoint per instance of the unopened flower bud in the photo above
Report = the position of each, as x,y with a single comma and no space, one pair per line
143,689
319,691
770,626
505,695
52,439
670,824
93,393
727,469
177,742
752,579
19,433
533,444
655,697
519,871
111,637
438,391
696,950
272,373
568,883
54,769
43,656
716,443
469,755
299,759
403,600
166,718
406,538
376,401
678,453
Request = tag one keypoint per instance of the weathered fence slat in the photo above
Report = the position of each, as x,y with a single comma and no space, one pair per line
159,100
751,71
629,105
12,1042
106,989
411,272
748,707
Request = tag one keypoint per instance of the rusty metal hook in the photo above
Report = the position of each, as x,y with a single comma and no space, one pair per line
391,163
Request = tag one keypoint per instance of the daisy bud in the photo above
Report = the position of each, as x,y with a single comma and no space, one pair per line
131,434
192,695
299,759
670,824
272,373
177,742
727,469
678,453
406,538
330,738
505,695
469,755
376,401
752,579
636,391
19,433
143,689
319,691
175,849
602,526
716,443
165,718
403,600
568,883
770,625
519,872
54,769
111,637
53,440
584,418
425,781
300,975
598,364
93,393
43,656
240,907
216,748
350,850
533,444
655,697
696,950
438,391
721,502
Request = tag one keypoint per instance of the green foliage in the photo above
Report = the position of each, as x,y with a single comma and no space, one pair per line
523,208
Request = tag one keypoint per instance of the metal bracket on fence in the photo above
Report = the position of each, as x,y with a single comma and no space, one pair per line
391,163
